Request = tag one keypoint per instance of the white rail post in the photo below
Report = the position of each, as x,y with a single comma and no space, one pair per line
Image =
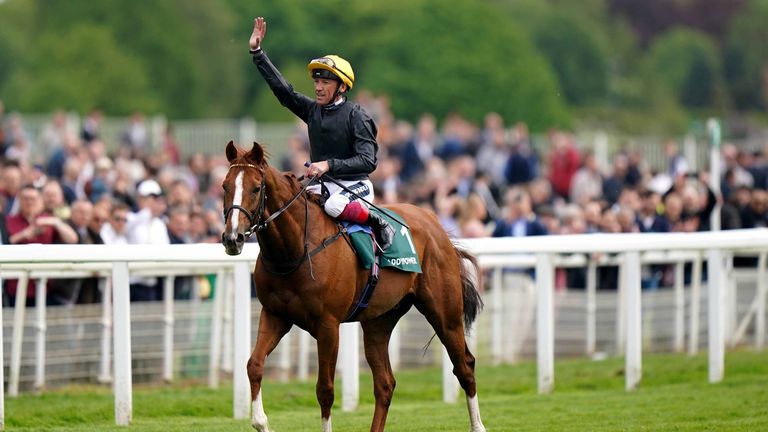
679,337
349,345
394,346
497,311
241,340
214,355
228,335
168,320
303,370
2,366
693,340
18,335
41,294
284,361
634,361
716,270
591,306
621,311
450,383
762,293
545,340
123,384
731,304
105,371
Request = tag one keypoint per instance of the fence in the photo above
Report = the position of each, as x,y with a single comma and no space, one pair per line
208,136
543,253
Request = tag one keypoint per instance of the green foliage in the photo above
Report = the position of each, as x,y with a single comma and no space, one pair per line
572,48
78,69
686,63
746,56
482,65
539,61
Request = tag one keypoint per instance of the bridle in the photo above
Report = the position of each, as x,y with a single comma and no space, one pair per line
256,218
259,223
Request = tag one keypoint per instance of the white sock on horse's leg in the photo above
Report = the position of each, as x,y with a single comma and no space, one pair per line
473,405
258,416
327,424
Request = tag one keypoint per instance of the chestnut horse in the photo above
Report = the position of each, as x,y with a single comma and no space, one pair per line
304,277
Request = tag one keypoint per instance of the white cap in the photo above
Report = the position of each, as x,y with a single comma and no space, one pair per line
149,187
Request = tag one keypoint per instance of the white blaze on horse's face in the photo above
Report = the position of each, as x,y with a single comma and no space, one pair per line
237,201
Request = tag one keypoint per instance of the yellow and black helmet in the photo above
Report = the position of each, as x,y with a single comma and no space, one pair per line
332,67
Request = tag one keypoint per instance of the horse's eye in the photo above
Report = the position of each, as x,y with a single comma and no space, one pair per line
256,189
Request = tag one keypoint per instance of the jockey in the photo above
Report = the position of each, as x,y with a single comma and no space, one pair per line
342,135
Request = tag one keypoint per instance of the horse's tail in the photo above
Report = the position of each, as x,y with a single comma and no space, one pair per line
470,281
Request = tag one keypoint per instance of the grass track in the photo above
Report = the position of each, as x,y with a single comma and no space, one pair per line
589,396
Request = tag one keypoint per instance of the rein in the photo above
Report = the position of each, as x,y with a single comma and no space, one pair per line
257,224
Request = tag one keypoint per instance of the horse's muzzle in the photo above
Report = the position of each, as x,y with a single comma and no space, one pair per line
233,242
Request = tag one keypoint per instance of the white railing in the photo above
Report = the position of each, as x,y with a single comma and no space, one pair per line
541,253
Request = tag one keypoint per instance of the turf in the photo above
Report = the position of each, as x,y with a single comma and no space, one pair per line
589,396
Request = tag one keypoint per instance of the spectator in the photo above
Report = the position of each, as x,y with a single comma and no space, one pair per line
522,166
10,186
420,149
32,225
564,160
649,220
676,162
616,182
146,227
53,200
54,133
135,138
493,155
756,214
179,233
92,126
114,231
81,221
519,220
587,183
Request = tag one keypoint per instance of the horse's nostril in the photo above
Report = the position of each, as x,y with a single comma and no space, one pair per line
240,238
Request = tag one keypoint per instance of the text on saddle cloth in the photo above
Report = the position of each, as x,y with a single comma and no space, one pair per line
401,255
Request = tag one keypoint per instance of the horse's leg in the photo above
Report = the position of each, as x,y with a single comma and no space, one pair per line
327,335
446,318
271,329
376,334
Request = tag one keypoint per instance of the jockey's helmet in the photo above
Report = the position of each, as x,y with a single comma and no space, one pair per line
332,67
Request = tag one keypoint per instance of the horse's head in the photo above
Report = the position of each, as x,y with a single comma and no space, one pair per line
243,195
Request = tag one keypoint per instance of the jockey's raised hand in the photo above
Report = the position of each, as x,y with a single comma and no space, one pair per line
259,30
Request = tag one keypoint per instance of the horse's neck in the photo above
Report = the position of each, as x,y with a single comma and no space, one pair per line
285,236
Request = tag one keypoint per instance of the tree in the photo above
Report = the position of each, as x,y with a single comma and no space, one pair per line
746,57
79,69
686,63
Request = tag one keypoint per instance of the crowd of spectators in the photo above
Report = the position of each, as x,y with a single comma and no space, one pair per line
481,181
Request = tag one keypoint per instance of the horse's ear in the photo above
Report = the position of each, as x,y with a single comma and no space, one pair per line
231,151
257,153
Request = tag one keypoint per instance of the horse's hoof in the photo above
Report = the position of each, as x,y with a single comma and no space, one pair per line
261,427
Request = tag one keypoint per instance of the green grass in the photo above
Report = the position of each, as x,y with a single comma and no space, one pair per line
589,396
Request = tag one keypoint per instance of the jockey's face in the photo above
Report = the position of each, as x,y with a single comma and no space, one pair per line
325,89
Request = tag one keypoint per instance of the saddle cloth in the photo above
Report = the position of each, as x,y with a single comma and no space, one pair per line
401,255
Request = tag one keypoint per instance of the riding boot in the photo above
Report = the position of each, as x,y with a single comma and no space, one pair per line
383,231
